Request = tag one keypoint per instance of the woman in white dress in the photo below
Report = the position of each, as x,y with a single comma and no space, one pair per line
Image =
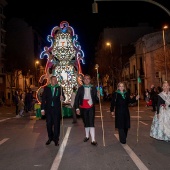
160,128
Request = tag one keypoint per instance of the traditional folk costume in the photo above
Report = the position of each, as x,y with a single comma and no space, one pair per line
160,128
85,101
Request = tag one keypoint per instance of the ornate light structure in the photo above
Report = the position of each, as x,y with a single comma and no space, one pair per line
63,59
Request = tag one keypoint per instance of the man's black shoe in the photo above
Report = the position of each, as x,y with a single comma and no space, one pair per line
56,143
48,142
94,143
86,139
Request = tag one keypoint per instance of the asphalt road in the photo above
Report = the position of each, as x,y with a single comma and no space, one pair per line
22,144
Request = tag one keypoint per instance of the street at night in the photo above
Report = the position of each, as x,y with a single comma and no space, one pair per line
22,144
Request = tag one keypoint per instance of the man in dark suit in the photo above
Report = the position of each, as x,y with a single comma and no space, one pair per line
51,107
85,100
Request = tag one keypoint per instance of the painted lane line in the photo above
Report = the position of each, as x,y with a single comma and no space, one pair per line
139,111
3,141
59,155
143,123
134,157
99,116
135,116
4,119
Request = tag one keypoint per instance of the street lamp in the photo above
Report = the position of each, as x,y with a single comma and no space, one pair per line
164,45
36,65
109,45
95,6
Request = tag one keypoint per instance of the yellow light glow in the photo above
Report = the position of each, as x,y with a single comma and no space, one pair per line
108,44
37,62
165,26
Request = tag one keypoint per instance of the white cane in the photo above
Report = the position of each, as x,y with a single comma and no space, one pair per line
96,67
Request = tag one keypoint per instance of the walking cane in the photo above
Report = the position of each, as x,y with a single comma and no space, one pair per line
62,122
138,81
96,67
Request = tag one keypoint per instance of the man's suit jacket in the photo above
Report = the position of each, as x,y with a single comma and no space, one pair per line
80,95
48,98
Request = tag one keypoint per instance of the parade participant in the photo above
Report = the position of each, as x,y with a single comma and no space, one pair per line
160,128
73,95
85,106
119,107
52,97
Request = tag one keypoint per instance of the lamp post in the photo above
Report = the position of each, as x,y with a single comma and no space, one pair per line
36,65
95,5
108,44
164,46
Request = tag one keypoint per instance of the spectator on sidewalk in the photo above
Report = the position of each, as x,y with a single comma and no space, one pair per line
28,101
16,100
21,107
153,97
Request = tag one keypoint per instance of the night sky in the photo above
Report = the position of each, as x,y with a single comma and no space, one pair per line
87,25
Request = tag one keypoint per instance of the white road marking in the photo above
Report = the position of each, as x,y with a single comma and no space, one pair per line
143,123
4,119
3,141
139,111
37,165
59,155
135,116
99,116
134,157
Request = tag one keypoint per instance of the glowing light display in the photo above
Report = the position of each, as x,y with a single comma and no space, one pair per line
64,58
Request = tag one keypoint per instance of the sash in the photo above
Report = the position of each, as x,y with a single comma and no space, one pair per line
166,98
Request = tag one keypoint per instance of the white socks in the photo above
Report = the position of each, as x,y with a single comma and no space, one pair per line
87,130
92,133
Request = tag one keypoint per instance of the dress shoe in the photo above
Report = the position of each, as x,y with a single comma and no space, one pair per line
94,143
48,142
86,139
56,143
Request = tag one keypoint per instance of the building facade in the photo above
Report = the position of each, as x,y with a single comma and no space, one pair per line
3,3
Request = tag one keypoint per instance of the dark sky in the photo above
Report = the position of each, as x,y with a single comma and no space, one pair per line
44,15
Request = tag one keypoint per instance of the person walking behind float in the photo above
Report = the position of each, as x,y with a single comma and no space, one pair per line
85,106
160,127
119,107
73,95
51,107
21,107
16,101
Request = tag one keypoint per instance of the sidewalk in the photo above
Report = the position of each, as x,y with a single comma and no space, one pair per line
9,111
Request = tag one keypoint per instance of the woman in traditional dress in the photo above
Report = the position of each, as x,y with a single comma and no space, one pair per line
160,127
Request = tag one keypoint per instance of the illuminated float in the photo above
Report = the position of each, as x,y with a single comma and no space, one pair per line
64,58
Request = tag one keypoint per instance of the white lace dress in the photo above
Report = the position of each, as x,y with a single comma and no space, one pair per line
160,127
